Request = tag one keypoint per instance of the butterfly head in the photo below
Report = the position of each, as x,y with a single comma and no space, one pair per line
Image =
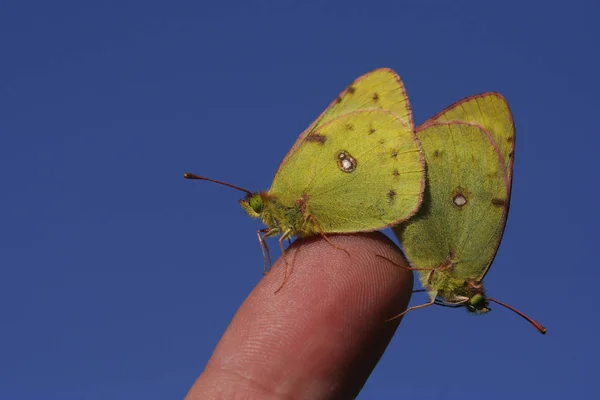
478,302
253,204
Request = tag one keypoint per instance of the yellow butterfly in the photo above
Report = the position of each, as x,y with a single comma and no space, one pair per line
357,168
453,239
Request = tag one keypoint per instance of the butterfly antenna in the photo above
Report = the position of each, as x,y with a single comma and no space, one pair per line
537,325
189,175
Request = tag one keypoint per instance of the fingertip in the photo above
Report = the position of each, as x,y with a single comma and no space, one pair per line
326,328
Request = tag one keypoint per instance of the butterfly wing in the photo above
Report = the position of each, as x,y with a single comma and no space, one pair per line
464,206
361,171
379,89
491,111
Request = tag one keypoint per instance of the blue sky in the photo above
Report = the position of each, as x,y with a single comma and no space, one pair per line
118,276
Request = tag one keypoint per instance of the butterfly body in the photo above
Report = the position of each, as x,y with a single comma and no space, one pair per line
447,289
350,154
449,238
358,167
278,217
453,239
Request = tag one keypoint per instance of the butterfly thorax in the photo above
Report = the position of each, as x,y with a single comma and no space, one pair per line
443,284
441,281
278,217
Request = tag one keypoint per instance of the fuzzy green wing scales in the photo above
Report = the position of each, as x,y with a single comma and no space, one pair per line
464,206
380,89
361,171
491,111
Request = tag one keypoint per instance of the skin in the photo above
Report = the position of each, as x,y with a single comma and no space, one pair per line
322,334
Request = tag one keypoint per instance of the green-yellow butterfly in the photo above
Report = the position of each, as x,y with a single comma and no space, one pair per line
358,167
454,237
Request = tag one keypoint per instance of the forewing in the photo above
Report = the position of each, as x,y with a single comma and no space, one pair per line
361,171
490,111
380,89
465,202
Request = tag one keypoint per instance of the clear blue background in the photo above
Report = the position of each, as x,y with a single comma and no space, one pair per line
118,276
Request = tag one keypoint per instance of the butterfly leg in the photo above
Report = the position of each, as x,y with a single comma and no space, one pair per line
264,249
314,221
447,265
286,234
410,309
405,267
458,304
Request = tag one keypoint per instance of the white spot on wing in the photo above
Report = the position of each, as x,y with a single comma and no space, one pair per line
460,200
346,162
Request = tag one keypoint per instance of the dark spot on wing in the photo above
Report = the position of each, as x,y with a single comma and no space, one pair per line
375,97
349,127
391,194
499,202
396,173
351,89
316,137
371,131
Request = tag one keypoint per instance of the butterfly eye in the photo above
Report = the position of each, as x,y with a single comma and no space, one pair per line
477,301
256,203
